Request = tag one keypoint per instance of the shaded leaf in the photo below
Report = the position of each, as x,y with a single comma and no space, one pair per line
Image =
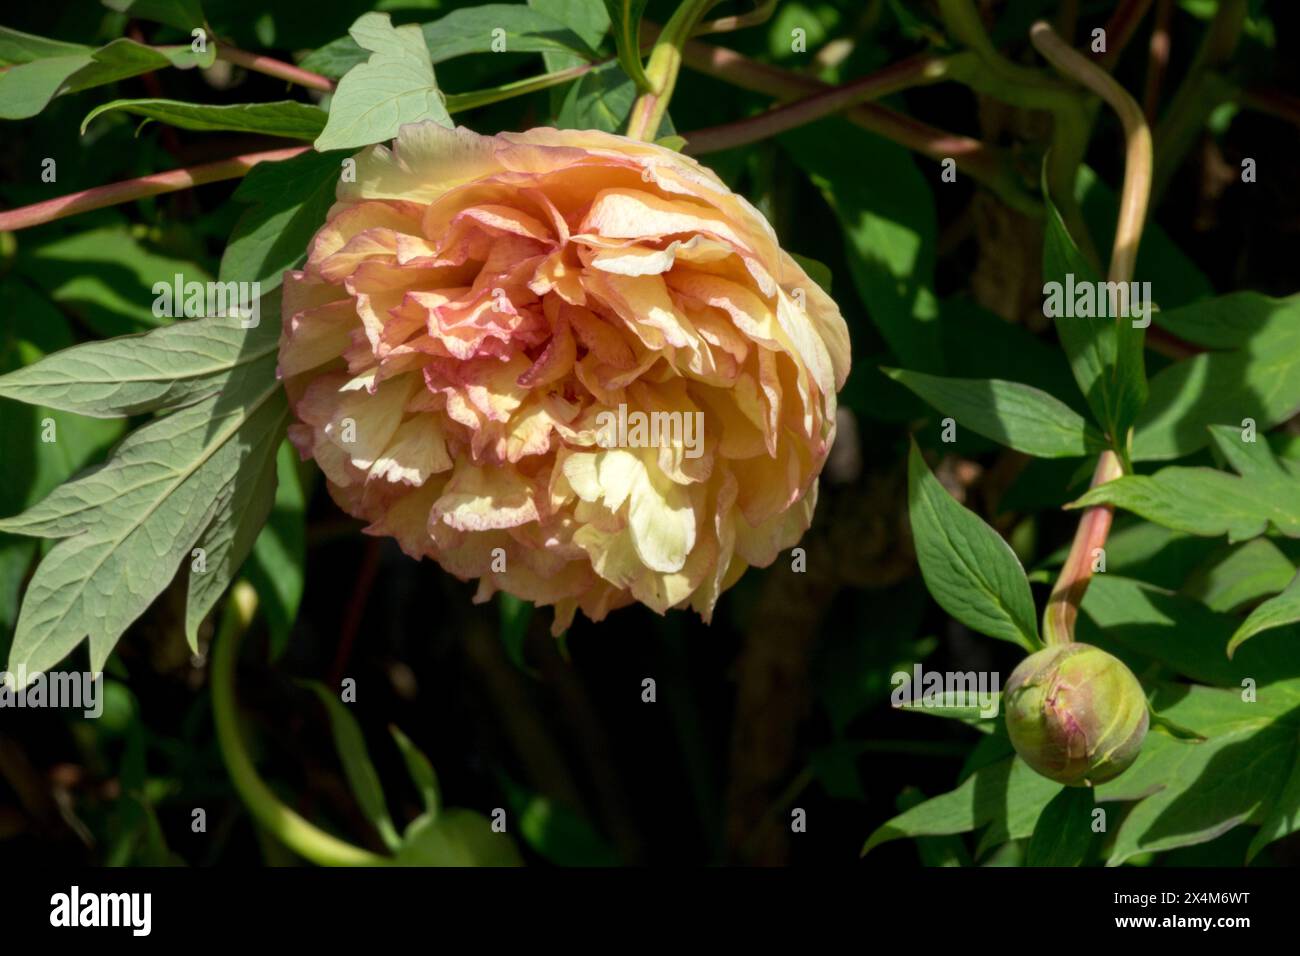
286,118
1018,416
1105,352
1063,834
1252,371
290,200
1275,612
969,569
421,770
360,771
456,837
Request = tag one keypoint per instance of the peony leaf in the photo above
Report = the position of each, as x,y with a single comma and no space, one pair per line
105,277
201,477
1275,612
1205,501
1016,415
599,99
286,118
968,567
1007,792
168,368
1190,793
1105,353
40,446
394,87
1063,834
289,202
889,225
625,18
471,30
587,19
1251,371
456,837
421,770
556,832
43,69
1239,575
357,766
1142,624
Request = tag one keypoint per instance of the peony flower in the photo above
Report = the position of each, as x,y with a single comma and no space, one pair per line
569,364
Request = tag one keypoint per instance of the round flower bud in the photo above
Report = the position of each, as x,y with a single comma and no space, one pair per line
570,365
1075,714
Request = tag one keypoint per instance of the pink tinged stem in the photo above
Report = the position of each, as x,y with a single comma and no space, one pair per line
981,161
277,68
1120,28
140,188
1090,538
1094,526
1138,155
900,76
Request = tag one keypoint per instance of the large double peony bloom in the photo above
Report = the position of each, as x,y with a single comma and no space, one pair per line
475,312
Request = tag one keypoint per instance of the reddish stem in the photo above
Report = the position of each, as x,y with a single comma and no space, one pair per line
277,68
1076,573
1158,62
139,188
1120,28
899,76
981,161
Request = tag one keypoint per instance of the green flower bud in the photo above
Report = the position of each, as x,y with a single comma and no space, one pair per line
1075,714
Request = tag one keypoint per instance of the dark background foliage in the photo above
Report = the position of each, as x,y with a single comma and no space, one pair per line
783,701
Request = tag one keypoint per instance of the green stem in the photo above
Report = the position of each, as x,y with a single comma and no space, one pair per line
459,102
662,69
299,835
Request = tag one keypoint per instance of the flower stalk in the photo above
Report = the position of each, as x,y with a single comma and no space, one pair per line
662,68
1094,525
304,838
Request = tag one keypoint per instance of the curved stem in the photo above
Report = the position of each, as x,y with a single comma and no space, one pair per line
152,185
1094,525
304,838
1138,156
